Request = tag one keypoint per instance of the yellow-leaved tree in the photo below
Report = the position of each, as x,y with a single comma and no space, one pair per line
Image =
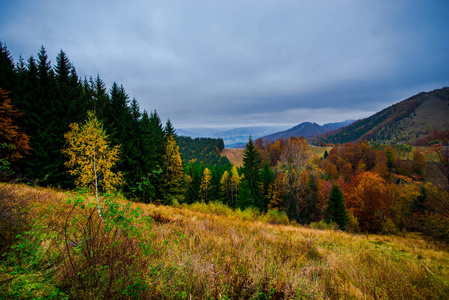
174,181
205,184
90,157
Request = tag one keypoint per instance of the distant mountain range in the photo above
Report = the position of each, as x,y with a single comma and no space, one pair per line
306,129
232,137
403,122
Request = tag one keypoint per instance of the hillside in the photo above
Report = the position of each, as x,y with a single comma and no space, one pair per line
235,156
204,251
306,129
403,122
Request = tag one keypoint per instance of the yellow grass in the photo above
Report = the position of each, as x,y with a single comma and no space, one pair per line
319,151
223,255
235,156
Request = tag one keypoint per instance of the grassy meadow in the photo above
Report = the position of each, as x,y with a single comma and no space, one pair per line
206,251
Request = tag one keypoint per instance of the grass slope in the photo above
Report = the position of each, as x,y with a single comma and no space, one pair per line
209,251
235,156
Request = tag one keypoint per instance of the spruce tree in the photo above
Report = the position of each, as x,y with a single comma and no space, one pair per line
251,170
336,210
7,72
170,130
267,176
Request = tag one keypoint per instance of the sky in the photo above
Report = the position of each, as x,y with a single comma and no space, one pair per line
217,63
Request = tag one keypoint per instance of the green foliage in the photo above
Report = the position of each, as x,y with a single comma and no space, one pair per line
336,210
251,189
202,150
105,258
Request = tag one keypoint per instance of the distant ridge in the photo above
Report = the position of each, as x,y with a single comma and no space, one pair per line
306,129
403,122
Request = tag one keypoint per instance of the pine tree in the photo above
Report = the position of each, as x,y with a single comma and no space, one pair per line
267,176
245,198
170,130
335,210
7,72
251,169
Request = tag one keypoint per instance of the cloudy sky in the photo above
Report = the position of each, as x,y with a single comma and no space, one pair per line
244,62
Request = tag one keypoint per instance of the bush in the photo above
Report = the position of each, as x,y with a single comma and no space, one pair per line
321,225
105,257
276,217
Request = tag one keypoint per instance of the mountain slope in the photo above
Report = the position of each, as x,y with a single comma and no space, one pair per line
402,122
306,129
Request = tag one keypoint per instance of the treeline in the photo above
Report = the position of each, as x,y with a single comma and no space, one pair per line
381,192
202,150
49,98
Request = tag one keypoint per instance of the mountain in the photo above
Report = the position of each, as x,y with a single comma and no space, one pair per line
402,122
232,137
306,129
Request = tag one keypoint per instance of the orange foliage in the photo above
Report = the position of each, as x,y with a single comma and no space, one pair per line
14,143
367,196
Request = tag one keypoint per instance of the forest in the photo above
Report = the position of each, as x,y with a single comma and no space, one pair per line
378,190
65,132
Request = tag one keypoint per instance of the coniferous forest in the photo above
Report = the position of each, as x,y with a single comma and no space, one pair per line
60,132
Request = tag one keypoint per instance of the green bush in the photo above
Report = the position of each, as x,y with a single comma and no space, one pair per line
105,257
276,217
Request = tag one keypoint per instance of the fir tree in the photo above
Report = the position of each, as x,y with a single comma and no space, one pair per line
251,170
267,179
335,210
170,130
245,197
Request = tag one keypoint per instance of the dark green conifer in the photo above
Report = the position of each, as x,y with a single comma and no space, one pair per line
251,169
335,210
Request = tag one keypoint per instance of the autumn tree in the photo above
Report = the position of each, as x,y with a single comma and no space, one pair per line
294,164
225,187
205,184
275,193
14,143
419,163
173,186
90,157
236,180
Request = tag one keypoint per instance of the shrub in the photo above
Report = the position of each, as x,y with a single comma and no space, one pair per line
276,217
105,258
322,225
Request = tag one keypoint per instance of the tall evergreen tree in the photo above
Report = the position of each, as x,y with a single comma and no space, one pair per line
335,210
267,177
251,170
7,73
170,130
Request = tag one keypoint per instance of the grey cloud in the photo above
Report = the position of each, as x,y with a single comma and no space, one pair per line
225,62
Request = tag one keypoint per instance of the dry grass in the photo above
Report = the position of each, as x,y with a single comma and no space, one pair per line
235,156
319,151
222,255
